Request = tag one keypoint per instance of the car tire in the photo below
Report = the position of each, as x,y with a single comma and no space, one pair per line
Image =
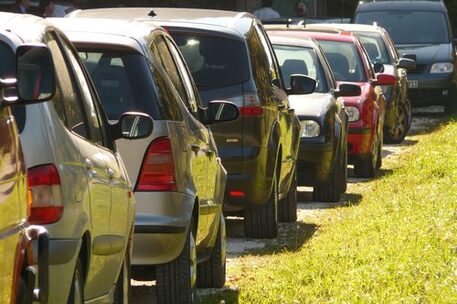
330,191
367,168
287,209
176,281
23,296
396,134
77,285
211,273
123,291
262,222
451,106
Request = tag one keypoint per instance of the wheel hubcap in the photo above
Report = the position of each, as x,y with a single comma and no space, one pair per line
193,267
78,292
400,124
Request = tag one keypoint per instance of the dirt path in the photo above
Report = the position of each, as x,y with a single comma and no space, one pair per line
294,235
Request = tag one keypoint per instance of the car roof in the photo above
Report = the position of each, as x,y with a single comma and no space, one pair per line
401,5
293,38
215,20
324,33
349,27
105,31
29,28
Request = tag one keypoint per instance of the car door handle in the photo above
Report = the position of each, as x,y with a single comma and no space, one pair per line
110,173
209,152
88,164
281,106
291,110
195,147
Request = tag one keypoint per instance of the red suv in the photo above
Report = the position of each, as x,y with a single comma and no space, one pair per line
350,63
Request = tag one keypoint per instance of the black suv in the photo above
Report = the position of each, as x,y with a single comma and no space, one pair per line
421,31
231,58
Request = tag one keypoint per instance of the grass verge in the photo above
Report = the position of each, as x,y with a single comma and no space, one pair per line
397,245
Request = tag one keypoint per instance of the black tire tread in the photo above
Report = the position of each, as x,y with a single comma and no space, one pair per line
287,209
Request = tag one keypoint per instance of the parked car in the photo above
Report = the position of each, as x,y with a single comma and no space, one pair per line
421,31
17,274
178,178
385,59
79,187
350,63
230,58
322,156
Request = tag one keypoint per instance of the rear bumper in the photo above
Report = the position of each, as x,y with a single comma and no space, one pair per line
314,164
252,191
161,222
431,91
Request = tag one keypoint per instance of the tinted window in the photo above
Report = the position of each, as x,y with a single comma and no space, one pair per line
214,62
375,47
67,103
410,27
300,60
344,59
123,81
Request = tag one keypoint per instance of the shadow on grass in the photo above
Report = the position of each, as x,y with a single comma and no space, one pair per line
213,296
356,180
291,237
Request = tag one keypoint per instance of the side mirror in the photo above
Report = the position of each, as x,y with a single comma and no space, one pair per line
133,125
301,84
35,73
347,90
385,79
378,67
221,111
406,63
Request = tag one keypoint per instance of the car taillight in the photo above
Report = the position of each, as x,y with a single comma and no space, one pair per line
46,195
249,104
158,170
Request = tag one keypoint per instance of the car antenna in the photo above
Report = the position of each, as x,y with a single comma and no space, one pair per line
152,13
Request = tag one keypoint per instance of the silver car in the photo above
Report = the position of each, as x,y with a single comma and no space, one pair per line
79,187
178,178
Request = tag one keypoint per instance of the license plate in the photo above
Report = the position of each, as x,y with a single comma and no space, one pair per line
413,84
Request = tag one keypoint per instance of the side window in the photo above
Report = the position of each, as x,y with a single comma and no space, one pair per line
191,89
66,102
86,94
169,105
161,52
260,63
274,71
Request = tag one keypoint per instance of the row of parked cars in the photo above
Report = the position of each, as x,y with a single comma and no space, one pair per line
138,129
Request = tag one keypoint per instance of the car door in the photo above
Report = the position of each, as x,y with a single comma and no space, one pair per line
286,117
198,134
214,178
99,180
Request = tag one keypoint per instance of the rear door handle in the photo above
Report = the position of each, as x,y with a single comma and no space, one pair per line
195,147
110,173
281,106
88,164
209,152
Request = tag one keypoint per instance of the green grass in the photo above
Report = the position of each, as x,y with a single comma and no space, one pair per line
397,245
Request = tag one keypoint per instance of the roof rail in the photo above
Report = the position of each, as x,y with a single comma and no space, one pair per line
371,1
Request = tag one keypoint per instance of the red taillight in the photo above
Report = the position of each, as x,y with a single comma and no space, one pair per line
235,193
158,171
46,195
248,103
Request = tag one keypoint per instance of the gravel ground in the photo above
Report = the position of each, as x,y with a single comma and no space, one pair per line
424,120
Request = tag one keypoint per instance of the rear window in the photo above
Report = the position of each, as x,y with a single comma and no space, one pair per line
375,47
344,60
214,62
124,82
300,60
410,27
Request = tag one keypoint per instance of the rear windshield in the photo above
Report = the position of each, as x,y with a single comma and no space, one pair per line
300,60
410,27
214,62
344,60
375,47
124,82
